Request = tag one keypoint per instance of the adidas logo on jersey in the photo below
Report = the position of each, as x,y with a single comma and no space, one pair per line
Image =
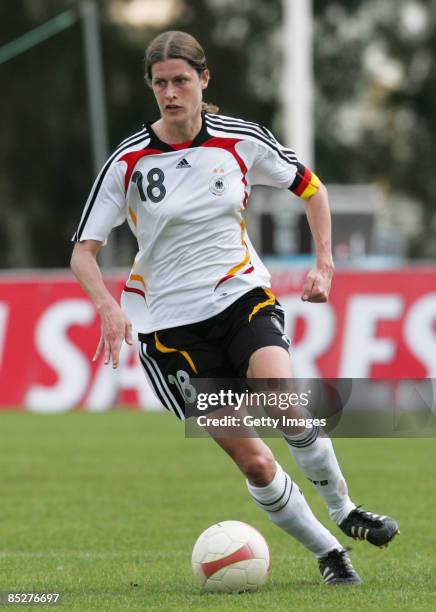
183,164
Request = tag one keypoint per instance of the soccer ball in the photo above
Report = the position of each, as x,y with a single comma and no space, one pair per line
231,557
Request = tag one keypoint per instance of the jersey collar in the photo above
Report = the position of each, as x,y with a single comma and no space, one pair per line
157,143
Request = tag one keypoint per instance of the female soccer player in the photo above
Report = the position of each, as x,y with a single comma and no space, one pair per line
198,294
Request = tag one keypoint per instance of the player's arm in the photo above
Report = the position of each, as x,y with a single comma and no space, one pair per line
308,186
319,279
277,166
115,326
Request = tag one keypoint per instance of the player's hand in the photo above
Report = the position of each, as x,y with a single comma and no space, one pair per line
317,285
115,327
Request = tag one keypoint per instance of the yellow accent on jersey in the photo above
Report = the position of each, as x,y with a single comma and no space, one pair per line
139,278
239,266
133,216
246,259
165,349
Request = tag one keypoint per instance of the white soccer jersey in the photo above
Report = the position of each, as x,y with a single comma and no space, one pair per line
184,204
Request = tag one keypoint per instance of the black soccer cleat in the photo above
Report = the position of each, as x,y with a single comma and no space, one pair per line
336,568
376,529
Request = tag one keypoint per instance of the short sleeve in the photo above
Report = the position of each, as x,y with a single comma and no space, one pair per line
105,207
278,166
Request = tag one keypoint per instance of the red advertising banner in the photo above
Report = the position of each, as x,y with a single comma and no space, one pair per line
377,324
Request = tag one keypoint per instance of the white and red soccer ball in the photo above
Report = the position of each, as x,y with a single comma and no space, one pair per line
231,557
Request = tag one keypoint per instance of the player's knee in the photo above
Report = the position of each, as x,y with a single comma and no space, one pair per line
259,468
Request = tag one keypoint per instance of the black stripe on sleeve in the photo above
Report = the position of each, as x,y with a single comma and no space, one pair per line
226,128
262,130
142,132
103,173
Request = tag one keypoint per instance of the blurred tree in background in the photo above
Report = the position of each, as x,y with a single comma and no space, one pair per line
375,105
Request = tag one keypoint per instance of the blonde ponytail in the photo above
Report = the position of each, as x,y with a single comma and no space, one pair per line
207,107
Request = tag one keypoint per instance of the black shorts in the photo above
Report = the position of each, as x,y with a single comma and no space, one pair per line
219,347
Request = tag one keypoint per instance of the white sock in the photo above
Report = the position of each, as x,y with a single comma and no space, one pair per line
287,508
316,457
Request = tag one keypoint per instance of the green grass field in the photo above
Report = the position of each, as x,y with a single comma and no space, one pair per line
106,507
